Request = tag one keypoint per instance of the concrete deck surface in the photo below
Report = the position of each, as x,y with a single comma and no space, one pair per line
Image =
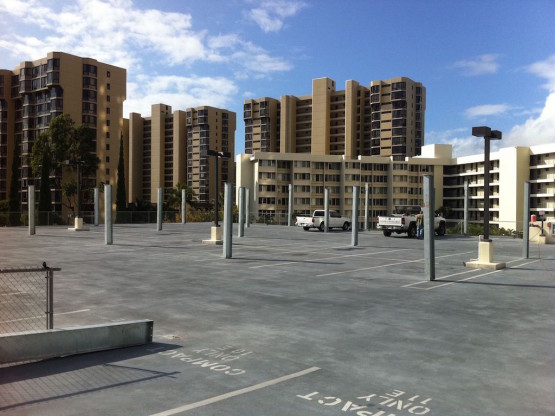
296,323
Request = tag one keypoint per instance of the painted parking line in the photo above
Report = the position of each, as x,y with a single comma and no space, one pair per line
327,258
225,396
42,316
466,279
387,265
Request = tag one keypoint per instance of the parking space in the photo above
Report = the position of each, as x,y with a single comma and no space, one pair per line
296,323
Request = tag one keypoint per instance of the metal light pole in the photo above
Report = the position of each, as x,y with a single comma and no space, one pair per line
217,155
488,134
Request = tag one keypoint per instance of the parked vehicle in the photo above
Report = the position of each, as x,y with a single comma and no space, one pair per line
317,221
403,220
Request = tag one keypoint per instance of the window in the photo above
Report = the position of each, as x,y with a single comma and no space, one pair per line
107,146
108,110
108,98
108,74
107,171
107,122
107,134
107,159
108,86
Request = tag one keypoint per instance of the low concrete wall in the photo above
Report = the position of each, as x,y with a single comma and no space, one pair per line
40,345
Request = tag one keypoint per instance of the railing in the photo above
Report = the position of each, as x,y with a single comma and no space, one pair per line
26,299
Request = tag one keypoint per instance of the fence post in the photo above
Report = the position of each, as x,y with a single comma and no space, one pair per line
31,208
429,247
159,210
354,222
466,198
108,214
49,298
228,220
326,209
290,206
366,205
525,222
241,228
248,207
183,207
96,199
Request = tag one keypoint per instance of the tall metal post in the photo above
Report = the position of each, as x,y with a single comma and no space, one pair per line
366,206
228,220
486,188
326,209
290,206
79,189
108,231
429,248
31,208
96,208
183,206
354,222
525,222
159,210
466,208
248,207
241,228
49,298
216,202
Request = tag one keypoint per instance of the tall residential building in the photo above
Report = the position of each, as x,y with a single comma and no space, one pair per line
168,147
391,182
214,129
384,119
35,92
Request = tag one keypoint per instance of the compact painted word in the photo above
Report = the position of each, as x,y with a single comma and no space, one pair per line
223,354
412,405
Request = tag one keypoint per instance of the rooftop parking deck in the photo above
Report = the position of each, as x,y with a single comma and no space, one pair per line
296,323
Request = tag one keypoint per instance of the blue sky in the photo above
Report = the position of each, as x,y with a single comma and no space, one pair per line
486,62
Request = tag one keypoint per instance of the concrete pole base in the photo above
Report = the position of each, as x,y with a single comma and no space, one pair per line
215,236
485,257
78,225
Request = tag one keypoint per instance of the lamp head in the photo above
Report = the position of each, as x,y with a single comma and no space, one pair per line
482,131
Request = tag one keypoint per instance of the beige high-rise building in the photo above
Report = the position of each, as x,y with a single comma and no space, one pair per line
167,148
384,119
209,128
35,92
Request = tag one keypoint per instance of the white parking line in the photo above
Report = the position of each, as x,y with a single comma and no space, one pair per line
326,258
235,393
42,316
468,278
387,265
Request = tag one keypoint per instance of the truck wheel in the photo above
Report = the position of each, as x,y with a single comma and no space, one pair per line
346,226
387,233
322,226
441,229
412,230
306,228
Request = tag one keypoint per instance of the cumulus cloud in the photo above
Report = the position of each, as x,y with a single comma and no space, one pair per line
269,15
487,110
480,65
178,91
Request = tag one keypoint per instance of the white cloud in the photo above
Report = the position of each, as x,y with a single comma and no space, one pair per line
481,65
270,14
179,92
545,69
487,110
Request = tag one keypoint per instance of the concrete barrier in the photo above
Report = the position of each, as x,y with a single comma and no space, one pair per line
40,345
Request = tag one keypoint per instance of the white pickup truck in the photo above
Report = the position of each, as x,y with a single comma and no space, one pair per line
317,221
404,221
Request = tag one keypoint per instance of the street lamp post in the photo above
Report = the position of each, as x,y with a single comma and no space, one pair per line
217,155
488,134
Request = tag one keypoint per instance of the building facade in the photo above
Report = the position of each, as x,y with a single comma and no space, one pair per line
391,182
35,92
168,148
384,119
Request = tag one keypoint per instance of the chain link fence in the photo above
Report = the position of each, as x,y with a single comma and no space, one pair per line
26,299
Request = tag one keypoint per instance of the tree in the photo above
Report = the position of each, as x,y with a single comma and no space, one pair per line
64,145
41,161
121,200
174,196
14,201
